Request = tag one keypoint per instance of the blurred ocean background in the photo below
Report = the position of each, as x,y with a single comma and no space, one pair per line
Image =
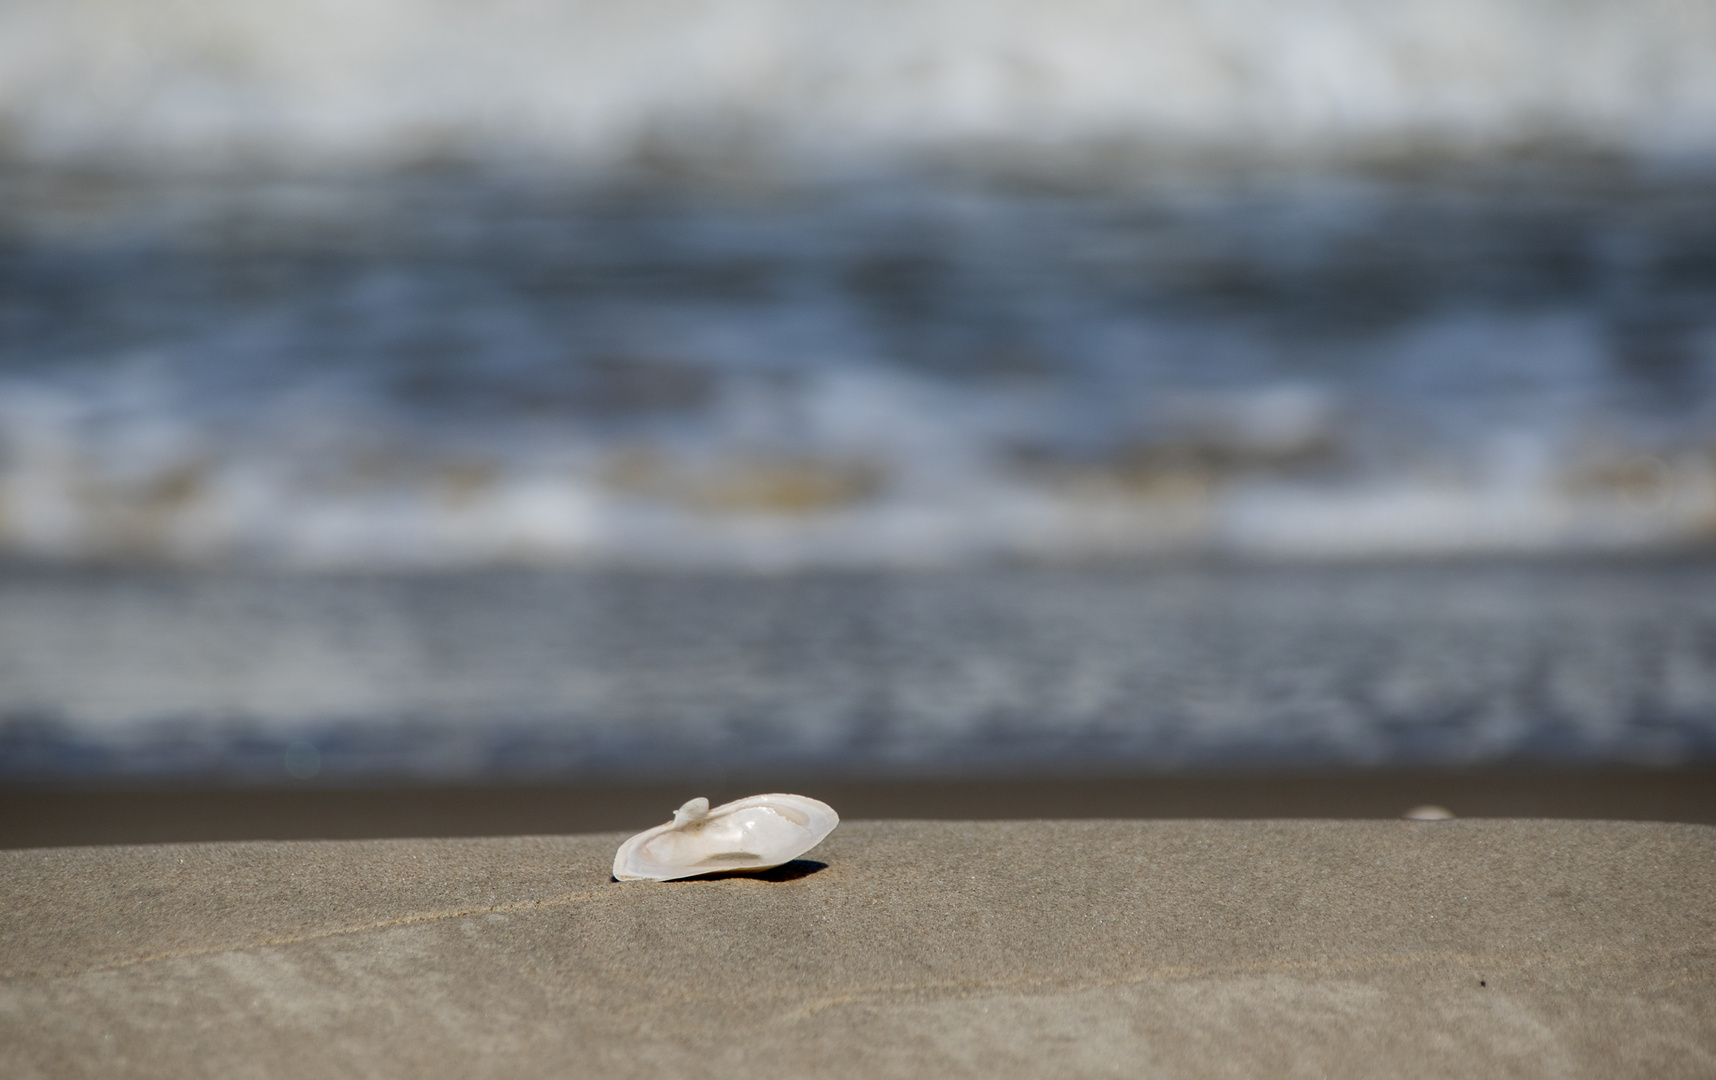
546,388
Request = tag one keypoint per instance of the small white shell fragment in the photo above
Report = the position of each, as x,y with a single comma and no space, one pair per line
749,834
1428,813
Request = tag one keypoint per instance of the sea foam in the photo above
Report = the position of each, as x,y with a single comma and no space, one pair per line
815,85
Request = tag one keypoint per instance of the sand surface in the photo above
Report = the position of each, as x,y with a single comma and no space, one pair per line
921,949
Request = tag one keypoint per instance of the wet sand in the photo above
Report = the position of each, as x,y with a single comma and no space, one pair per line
43,817
896,949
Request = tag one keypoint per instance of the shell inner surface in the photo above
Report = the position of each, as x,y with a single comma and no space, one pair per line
747,836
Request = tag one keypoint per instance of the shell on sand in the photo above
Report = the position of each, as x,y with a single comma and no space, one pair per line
748,834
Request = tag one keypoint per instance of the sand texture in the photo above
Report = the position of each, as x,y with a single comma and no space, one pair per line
907,949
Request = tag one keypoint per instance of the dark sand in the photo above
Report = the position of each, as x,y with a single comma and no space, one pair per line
43,817
904,949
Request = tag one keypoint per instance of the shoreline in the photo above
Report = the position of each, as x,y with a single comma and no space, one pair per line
61,815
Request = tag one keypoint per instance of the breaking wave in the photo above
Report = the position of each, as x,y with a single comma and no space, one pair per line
757,85
1066,281
454,371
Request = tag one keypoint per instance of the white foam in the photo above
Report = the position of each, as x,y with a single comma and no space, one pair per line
903,375
78,482
831,83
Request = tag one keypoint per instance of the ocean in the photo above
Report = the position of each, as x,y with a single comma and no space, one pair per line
530,306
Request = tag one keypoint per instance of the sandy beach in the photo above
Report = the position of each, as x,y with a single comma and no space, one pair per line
908,949
1219,495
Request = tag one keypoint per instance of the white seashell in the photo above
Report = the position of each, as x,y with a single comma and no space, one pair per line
1428,813
749,834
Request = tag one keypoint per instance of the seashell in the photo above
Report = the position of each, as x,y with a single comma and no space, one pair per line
748,834
1428,813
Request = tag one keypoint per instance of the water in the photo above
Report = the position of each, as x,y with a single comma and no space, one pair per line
531,674
749,87
469,370
769,285
946,297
